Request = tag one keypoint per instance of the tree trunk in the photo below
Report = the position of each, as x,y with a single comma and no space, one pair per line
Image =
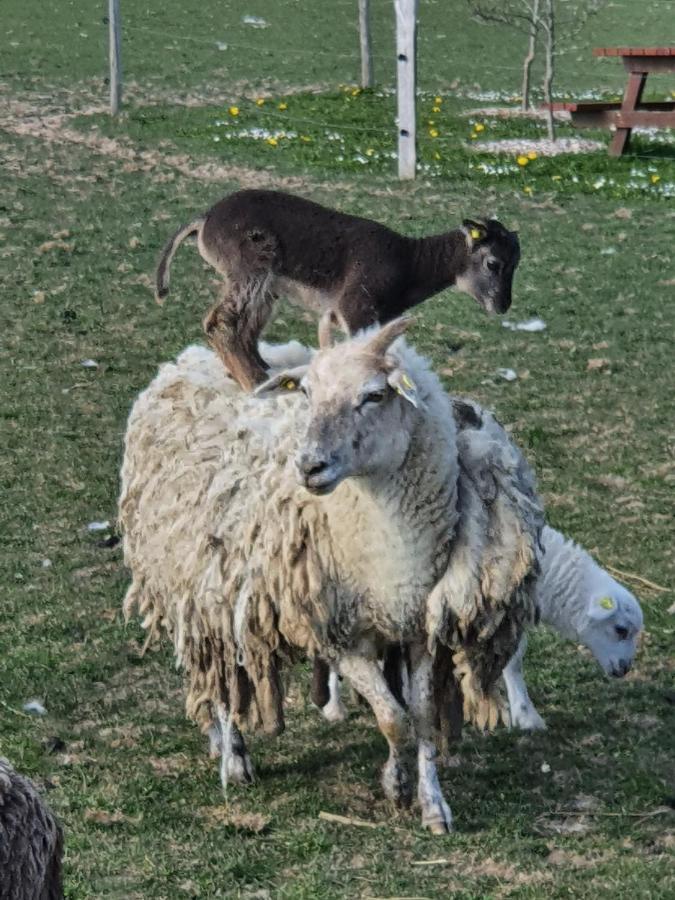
364,36
529,59
549,28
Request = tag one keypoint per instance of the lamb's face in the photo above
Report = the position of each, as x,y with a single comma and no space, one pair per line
493,254
614,621
361,404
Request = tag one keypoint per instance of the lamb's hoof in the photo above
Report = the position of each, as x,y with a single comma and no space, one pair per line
528,719
396,785
438,819
334,712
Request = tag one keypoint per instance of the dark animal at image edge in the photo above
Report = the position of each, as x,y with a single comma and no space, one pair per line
353,272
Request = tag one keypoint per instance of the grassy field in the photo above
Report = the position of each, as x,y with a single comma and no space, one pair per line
84,209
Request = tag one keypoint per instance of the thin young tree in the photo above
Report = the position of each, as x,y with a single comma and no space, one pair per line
545,19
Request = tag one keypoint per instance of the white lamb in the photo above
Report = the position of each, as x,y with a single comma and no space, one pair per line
373,537
582,602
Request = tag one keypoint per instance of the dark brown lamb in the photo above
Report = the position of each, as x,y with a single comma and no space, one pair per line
353,272
31,841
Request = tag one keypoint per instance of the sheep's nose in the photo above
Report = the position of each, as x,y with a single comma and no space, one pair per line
622,667
312,463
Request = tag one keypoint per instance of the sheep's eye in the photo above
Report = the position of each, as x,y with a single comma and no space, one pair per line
621,633
373,397
493,265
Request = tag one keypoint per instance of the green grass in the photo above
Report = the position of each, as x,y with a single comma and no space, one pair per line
350,132
132,783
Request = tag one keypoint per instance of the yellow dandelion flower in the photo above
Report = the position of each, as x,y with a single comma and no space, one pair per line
479,127
522,160
356,92
283,106
272,141
437,155
233,110
556,177
438,100
532,155
527,189
436,109
260,101
433,132
305,138
474,136
369,151
431,122
656,179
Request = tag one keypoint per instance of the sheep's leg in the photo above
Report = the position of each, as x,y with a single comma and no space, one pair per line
367,678
522,709
233,327
227,742
436,814
334,710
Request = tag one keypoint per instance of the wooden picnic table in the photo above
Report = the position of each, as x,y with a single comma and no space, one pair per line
630,112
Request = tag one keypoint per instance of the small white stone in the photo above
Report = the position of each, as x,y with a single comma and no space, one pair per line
507,374
545,768
35,707
46,563
89,364
98,526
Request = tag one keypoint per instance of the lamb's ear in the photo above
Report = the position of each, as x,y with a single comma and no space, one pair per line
285,382
474,232
601,608
385,337
403,384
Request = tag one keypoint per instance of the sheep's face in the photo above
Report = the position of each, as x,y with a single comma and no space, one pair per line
361,403
493,253
614,621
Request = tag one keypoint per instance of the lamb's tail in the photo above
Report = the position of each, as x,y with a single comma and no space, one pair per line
162,274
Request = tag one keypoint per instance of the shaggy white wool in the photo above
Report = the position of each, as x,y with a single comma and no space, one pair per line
240,565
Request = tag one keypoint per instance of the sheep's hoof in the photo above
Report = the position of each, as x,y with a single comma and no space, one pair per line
438,820
396,785
240,769
334,712
528,719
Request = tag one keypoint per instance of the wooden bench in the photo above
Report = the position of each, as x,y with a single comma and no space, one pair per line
630,112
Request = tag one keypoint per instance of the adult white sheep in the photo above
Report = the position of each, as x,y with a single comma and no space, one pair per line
574,596
383,540
31,841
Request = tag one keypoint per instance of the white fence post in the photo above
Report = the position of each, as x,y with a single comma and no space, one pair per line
364,36
406,36
115,33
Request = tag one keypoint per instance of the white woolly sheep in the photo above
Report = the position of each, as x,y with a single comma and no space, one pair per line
574,596
31,841
374,537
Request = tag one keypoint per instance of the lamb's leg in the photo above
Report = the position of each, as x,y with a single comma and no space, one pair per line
367,678
233,327
523,712
227,742
436,814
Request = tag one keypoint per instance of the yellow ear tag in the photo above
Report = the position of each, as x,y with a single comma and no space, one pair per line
408,382
476,234
289,384
606,603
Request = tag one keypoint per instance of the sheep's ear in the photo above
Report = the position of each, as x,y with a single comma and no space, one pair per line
602,607
403,384
286,382
473,232
385,337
